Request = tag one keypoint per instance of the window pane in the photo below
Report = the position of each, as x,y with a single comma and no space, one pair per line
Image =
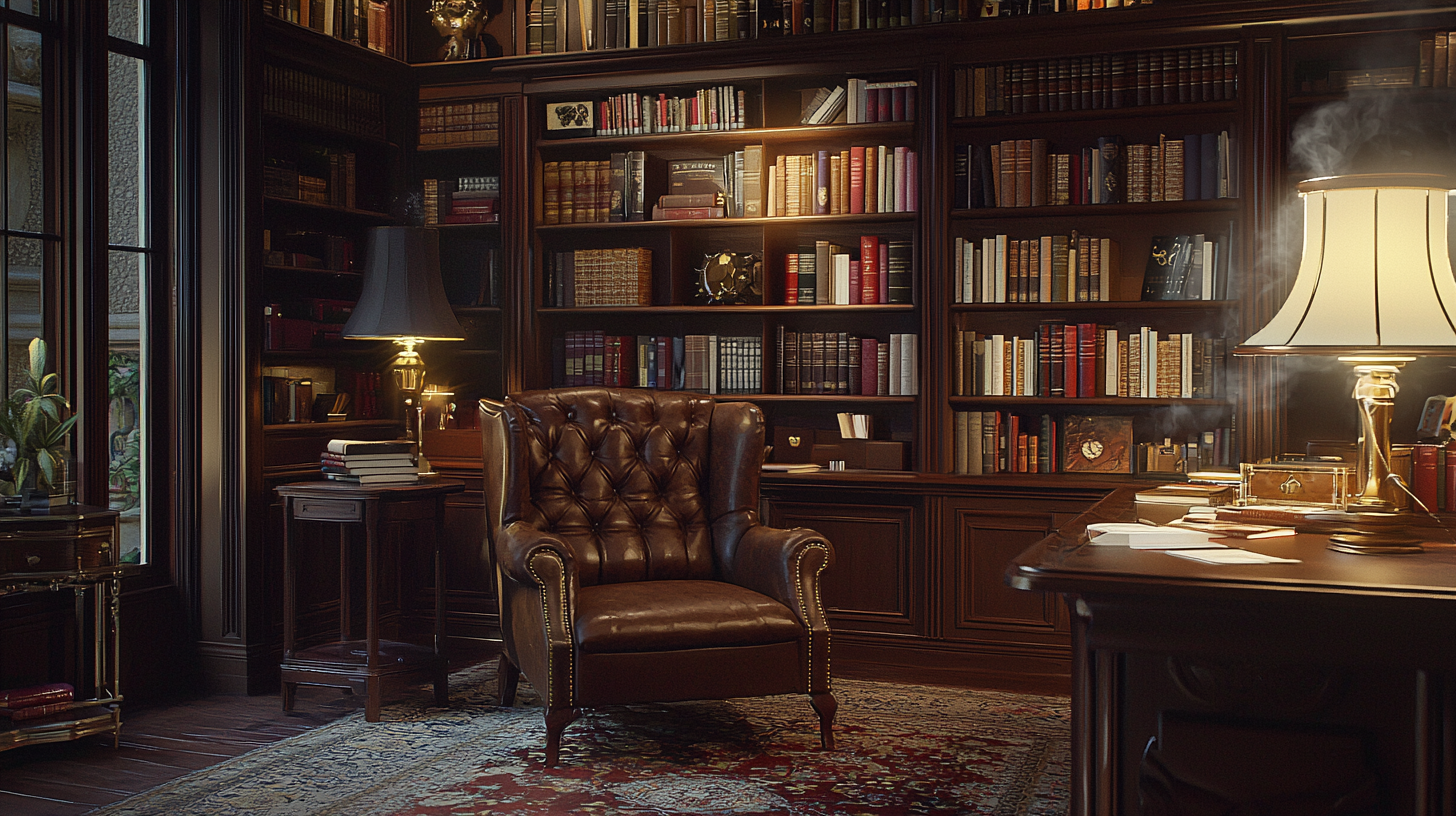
126,111
24,260
24,143
27,6
126,20
125,366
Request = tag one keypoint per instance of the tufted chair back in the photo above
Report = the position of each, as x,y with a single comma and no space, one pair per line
625,478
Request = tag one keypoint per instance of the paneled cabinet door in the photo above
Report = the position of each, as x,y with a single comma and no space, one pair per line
979,542
875,583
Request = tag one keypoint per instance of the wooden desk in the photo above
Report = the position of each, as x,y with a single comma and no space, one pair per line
408,520
1273,684
71,548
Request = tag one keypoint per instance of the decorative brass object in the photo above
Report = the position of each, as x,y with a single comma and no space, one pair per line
461,23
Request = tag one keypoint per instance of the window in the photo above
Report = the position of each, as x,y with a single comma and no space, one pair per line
80,232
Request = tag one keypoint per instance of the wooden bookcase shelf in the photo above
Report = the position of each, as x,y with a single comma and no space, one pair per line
923,549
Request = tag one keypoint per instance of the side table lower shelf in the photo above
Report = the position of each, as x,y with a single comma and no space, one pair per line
345,664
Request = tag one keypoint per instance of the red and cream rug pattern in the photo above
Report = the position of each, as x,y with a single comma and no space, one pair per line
901,750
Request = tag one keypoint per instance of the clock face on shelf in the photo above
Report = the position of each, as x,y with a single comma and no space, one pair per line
1097,444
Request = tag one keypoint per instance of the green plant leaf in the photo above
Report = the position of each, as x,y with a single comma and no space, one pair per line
37,357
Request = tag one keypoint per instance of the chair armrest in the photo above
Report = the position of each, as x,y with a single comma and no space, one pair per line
517,544
784,565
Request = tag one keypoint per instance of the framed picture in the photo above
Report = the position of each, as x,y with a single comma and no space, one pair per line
567,119
1097,444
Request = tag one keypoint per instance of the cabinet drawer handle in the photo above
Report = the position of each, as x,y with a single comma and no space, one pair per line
32,560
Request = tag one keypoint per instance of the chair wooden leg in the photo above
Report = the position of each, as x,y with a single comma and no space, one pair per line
825,705
506,676
556,721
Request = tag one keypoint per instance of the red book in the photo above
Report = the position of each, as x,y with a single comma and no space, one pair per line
1069,361
869,366
856,179
869,263
791,279
33,711
1423,473
1086,359
1450,482
37,695
1013,441
883,104
856,283
882,290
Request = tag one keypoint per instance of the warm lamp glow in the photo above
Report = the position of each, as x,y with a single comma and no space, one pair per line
404,300
1375,288
1375,275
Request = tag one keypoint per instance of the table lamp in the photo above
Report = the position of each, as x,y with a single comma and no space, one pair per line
1375,289
403,300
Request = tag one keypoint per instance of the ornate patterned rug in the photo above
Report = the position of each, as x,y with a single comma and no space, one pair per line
901,750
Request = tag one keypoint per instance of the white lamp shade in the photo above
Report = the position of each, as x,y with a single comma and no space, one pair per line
403,296
1375,276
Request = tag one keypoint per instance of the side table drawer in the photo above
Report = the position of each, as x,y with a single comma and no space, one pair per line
328,509
20,556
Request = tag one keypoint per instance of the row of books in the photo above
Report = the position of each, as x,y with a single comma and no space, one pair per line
1187,267
307,249
463,200
860,101
304,323
286,399
1206,73
369,23
33,704
326,176
987,442
1027,173
859,179
600,277
587,191
314,99
1087,360
369,462
1073,268
556,26
842,363
635,113
473,123
707,363
829,274
1202,450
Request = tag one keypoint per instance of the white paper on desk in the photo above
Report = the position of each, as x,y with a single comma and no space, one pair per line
1232,555
1146,536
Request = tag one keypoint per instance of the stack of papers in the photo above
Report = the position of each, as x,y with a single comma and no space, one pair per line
1232,555
1146,536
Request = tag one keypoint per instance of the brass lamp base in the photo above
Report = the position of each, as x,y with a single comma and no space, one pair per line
1370,533
1375,542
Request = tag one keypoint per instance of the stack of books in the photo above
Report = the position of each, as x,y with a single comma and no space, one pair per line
35,702
369,462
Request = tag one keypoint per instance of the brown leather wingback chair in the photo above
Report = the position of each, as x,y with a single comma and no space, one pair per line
630,558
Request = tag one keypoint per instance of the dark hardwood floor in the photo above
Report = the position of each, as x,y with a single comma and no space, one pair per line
160,743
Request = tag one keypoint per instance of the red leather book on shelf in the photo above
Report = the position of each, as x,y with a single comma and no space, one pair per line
27,696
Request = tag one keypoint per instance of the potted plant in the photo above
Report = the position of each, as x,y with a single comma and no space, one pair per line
35,420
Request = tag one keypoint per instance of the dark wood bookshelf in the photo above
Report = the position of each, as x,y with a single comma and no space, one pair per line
1100,306
1100,210
921,551
333,209
1072,403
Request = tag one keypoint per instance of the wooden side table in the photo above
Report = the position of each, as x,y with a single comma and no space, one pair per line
73,547
369,664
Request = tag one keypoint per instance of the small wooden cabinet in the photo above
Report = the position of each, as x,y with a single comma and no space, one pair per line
72,548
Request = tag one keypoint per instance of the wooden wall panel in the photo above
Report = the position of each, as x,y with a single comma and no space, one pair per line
875,584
